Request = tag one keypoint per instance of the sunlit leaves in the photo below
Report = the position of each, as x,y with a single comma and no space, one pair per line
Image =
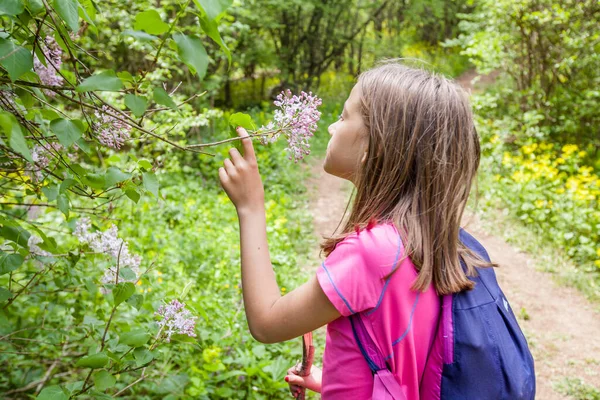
241,119
150,22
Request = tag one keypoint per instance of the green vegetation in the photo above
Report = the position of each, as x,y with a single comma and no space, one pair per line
102,103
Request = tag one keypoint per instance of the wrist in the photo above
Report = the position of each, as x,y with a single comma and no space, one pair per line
250,211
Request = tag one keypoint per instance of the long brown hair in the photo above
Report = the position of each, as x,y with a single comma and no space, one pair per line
422,157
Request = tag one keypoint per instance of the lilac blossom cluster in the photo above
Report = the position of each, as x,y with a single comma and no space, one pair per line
296,119
34,249
177,319
48,73
108,242
41,155
112,132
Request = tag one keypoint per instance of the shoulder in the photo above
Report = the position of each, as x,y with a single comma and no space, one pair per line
375,244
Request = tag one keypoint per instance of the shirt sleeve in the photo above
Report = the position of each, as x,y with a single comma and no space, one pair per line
352,276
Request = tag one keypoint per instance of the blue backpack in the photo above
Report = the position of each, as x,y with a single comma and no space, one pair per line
479,352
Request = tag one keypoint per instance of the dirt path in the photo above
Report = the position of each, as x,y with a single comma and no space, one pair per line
560,324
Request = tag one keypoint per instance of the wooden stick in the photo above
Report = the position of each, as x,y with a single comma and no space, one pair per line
308,355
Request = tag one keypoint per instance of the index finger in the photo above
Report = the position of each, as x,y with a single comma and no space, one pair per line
247,143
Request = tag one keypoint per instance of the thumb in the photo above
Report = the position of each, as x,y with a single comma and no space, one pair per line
294,379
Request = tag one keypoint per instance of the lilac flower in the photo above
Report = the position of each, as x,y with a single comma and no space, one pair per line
296,119
108,242
41,155
177,319
112,132
34,249
52,53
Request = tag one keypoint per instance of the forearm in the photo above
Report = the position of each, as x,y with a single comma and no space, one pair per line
259,286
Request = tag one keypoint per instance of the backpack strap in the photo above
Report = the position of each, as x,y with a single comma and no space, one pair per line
385,385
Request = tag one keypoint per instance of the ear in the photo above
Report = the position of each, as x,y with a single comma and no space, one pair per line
364,157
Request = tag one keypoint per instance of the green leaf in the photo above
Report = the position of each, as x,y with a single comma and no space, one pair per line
9,262
115,175
51,192
16,60
67,131
127,274
97,360
133,194
122,292
104,380
150,22
139,35
213,8
210,27
66,184
136,104
63,204
67,10
10,126
150,183
11,7
147,165
84,146
136,338
35,6
142,356
5,294
95,181
106,80
136,301
192,53
53,392
243,120
162,97
15,233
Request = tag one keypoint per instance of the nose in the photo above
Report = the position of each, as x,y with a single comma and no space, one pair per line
330,129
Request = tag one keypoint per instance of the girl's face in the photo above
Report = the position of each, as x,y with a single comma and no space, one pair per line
347,148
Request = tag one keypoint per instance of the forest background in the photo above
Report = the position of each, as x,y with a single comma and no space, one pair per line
110,208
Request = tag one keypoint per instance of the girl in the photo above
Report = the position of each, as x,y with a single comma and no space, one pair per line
407,142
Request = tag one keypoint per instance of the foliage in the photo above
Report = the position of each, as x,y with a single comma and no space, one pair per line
547,186
551,51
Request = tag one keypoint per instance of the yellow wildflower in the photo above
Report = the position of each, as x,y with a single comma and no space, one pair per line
569,149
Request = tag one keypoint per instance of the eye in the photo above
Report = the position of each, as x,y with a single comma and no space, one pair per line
340,117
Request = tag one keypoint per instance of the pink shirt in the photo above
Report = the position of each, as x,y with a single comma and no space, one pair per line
400,321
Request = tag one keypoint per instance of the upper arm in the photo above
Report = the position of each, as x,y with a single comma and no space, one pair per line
350,280
303,310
